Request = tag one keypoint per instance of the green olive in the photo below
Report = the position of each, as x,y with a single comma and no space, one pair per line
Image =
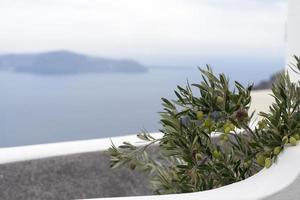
262,124
296,136
232,126
247,164
277,151
268,162
198,156
200,115
260,160
293,141
216,154
227,130
220,100
285,140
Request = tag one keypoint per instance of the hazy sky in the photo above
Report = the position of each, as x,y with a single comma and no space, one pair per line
151,31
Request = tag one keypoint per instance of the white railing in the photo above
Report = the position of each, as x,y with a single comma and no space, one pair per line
32,152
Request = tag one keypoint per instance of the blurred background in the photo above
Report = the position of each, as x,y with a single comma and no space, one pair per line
77,69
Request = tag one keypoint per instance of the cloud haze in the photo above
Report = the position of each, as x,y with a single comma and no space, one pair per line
148,30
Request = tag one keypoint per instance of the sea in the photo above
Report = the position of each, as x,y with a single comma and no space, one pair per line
36,109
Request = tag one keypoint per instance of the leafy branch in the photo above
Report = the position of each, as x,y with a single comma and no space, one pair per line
189,158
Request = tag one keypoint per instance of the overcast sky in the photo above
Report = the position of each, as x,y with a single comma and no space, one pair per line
151,31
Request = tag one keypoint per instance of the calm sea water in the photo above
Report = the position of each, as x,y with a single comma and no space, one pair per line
41,109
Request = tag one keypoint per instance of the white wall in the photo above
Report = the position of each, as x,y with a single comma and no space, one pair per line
293,34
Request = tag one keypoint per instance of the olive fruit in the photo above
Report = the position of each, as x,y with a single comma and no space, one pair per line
220,100
200,115
198,156
268,162
260,159
277,151
293,141
216,154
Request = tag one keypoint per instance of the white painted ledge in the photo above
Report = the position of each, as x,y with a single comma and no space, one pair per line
262,185
32,152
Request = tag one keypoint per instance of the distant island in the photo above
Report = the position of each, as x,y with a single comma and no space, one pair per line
66,62
267,84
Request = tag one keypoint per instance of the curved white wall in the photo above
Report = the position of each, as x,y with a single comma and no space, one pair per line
268,184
